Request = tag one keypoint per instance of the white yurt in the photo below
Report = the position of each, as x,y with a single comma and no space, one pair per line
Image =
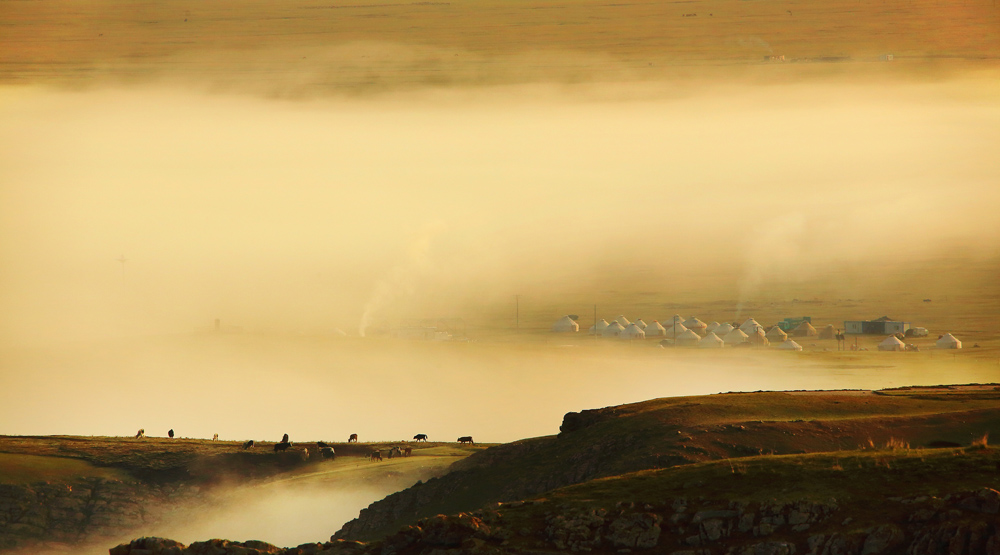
621,319
696,325
758,338
789,346
892,343
776,335
675,330
565,325
735,337
711,341
805,329
655,330
750,325
640,323
712,326
948,341
723,330
687,339
599,327
633,332
614,329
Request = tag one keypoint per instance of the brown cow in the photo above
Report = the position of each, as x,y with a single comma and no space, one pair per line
353,438
407,452
466,439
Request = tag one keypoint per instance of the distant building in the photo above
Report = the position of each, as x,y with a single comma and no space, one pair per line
879,326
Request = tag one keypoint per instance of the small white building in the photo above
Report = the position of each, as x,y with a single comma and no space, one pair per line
599,327
632,332
687,339
565,325
948,341
891,343
655,330
614,329
789,345
711,341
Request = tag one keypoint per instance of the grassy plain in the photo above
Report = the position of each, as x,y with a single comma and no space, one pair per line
316,46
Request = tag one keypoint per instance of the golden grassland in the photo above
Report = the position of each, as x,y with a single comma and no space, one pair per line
376,44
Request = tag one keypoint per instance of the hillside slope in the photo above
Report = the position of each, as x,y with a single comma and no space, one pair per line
669,432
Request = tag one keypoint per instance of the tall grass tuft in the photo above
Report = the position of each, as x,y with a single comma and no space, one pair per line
894,444
981,442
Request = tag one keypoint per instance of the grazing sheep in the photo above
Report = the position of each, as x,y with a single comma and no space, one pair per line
353,438
466,439
420,437
375,456
170,434
407,452
248,445
279,447
141,433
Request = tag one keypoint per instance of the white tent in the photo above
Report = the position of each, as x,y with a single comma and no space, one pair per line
776,334
948,341
687,339
758,338
712,326
655,330
789,346
640,323
677,329
599,327
696,325
621,319
614,329
633,332
735,337
565,324
891,343
750,325
723,330
711,341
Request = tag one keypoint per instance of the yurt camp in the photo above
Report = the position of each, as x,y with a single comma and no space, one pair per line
633,332
789,345
599,327
687,339
948,341
711,341
614,329
775,335
566,324
804,329
655,330
891,343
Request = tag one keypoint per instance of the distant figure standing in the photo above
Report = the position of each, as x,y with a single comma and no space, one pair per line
170,434
141,433
284,438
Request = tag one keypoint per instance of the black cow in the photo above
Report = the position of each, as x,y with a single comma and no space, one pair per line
321,445
420,437
284,438
376,456
466,439
279,447
248,445
170,433
327,453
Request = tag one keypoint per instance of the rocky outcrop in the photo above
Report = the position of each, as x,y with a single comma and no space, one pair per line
91,510
963,523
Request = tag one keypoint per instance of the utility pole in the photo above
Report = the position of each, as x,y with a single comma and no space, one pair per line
517,313
123,260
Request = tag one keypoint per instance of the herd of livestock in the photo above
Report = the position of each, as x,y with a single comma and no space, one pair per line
326,451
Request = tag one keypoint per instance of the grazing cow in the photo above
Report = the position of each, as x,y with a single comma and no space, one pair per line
215,437
466,439
141,433
170,433
321,445
284,438
248,445
305,453
327,453
375,456
407,452
279,447
420,437
392,453
353,438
